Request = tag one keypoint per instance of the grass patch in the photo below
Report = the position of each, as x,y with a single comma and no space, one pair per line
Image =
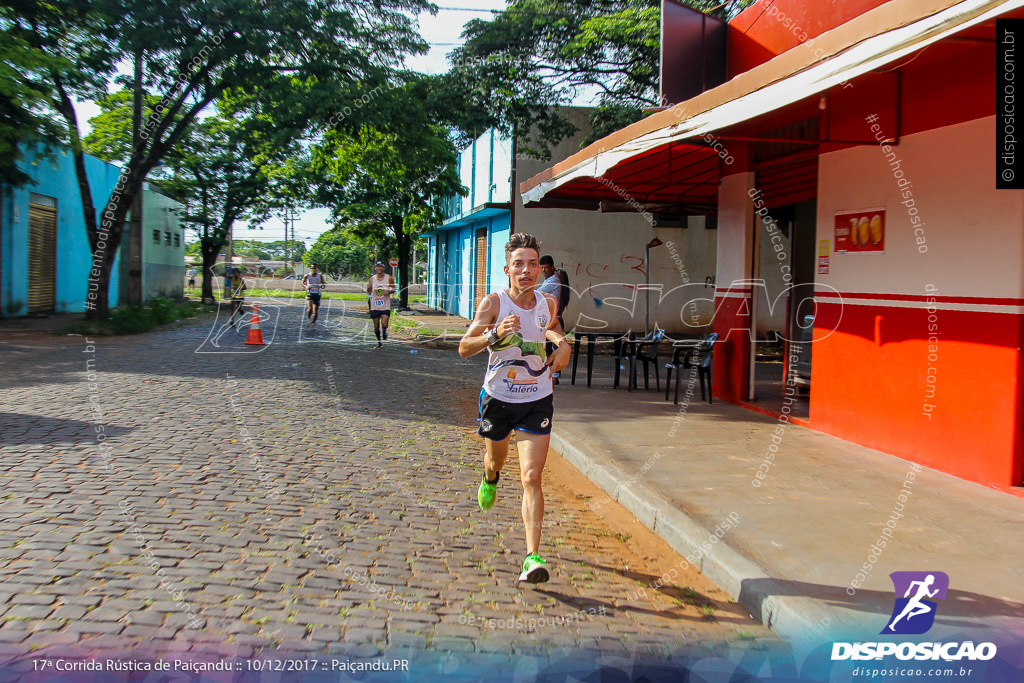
298,293
136,318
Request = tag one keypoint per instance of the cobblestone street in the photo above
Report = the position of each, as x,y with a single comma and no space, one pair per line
180,492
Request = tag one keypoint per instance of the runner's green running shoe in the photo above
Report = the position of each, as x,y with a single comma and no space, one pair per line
486,494
534,570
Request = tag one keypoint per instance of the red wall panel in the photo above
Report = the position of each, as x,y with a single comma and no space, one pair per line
770,27
870,385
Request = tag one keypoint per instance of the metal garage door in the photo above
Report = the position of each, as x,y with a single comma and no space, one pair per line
42,253
480,273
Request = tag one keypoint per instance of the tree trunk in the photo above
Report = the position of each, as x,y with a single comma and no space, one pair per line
105,242
210,253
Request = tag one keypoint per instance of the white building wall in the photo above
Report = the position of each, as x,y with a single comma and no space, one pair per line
502,169
963,217
605,257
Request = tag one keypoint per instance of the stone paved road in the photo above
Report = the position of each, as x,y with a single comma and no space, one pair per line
314,495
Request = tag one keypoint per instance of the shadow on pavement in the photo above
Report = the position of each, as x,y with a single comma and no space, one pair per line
22,429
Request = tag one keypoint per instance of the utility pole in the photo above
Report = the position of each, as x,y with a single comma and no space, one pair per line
289,215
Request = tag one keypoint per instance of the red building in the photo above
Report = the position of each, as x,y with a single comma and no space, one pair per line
849,153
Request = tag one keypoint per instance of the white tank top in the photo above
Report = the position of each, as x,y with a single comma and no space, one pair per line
314,282
515,365
380,293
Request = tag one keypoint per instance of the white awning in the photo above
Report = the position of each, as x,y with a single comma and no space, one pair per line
872,40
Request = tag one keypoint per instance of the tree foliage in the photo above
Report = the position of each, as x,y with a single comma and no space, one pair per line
189,54
228,171
518,66
269,251
340,256
379,179
24,90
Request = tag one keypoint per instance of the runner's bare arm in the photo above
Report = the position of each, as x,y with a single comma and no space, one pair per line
475,340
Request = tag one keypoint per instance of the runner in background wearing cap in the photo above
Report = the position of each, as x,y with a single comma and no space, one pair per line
379,289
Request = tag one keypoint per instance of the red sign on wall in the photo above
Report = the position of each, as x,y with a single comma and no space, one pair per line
859,231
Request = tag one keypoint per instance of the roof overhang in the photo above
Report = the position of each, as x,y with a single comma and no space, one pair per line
476,214
666,159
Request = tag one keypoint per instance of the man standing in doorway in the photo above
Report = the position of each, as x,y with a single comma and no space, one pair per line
313,282
513,326
379,289
552,285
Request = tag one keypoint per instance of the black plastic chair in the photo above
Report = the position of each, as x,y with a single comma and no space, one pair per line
700,356
645,351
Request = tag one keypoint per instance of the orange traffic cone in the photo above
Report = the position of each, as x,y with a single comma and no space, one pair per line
255,331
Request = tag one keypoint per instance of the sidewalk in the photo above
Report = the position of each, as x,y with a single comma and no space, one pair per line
801,550
790,550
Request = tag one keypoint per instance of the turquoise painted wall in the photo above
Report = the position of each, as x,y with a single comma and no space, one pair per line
53,177
500,231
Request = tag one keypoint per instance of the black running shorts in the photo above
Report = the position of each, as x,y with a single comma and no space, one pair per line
498,418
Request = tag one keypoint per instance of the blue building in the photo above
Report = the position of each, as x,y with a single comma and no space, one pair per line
45,257
467,252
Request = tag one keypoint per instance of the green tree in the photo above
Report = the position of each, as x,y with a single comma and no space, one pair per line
224,168
340,256
251,248
226,173
379,180
275,251
24,91
514,69
190,54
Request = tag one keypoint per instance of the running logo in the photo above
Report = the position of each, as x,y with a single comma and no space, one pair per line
914,613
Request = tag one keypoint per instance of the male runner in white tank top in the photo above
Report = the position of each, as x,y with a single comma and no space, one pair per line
314,282
379,289
513,326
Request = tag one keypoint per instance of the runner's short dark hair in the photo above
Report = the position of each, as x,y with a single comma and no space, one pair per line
521,240
546,260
